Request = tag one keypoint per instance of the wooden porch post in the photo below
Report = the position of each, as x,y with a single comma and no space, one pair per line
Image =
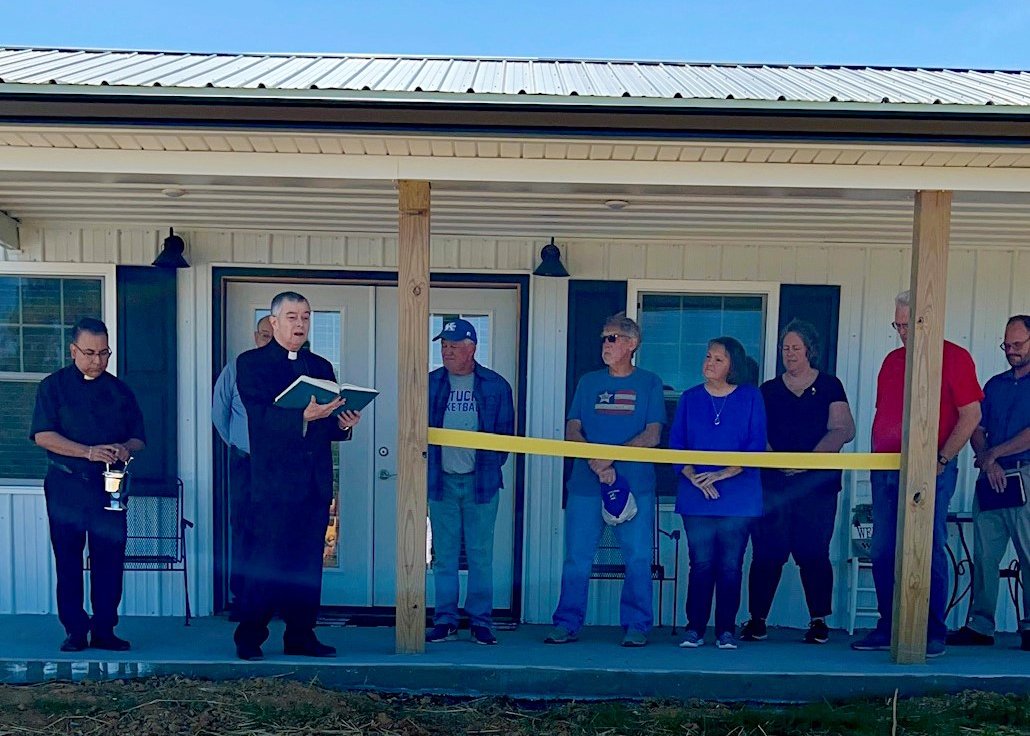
412,402
923,361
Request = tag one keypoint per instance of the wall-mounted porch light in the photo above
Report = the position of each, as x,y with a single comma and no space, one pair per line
171,252
550,262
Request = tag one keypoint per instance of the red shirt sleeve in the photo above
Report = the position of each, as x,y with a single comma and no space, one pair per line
960,376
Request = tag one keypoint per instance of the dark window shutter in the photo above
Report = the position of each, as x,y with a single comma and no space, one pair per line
819,305
147,361
590,303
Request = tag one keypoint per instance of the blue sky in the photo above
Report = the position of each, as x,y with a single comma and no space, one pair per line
975,33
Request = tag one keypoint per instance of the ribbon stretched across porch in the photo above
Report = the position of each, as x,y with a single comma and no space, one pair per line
562,448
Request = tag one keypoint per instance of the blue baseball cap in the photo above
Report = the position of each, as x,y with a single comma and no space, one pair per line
457,330
617,502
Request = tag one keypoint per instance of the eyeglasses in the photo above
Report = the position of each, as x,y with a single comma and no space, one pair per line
103,354
899,326
610,338
1017,346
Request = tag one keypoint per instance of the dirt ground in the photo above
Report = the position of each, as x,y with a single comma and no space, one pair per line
276,706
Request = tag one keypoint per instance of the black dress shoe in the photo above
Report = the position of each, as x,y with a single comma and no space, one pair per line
109,642
249,652
74,643
311,648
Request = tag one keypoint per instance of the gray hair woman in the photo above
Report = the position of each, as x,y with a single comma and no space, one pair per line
807,411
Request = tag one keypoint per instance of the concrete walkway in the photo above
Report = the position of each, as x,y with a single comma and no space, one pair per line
780,669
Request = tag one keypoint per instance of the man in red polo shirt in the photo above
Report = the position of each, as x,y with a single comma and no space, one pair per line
960,415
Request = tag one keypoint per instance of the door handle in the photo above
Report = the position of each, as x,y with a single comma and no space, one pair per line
386,475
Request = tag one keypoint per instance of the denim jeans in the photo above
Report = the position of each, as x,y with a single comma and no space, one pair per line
583,528
885,541
716,545
457,513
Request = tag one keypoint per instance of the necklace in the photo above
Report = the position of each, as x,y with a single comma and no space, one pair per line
718,411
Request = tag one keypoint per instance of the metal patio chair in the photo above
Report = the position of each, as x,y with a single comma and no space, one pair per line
156,530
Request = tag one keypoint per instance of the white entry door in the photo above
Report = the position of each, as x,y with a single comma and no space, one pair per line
355,328
341,332
494,314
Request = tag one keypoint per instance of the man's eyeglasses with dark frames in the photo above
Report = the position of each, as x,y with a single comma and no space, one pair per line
610,338
103,354
1017,346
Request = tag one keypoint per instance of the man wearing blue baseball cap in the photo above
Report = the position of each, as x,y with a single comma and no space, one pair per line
463,484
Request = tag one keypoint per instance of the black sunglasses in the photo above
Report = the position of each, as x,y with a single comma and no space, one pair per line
610,338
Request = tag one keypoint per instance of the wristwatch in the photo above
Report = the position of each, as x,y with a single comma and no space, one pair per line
941,460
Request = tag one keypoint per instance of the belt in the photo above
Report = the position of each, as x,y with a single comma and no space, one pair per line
460,475
75,473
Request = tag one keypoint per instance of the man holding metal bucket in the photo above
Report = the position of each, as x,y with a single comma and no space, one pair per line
88,421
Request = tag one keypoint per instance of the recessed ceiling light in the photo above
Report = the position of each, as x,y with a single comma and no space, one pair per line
616,204
174,192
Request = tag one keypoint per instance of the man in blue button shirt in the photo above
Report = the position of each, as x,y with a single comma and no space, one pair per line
464,484
230,420
1001,444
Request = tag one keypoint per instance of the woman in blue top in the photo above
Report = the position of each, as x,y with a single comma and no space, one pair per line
718,503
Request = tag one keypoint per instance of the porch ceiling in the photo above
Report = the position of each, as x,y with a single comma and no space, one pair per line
497,210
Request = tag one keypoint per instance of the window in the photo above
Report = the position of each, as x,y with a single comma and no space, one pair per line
36,319
677,320
677,328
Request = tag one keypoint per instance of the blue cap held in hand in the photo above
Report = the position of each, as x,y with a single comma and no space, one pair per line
617,502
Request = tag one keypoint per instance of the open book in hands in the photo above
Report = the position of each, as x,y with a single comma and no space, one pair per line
298,394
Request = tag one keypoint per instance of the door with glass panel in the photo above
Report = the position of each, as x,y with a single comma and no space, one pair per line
341,332
494,314
355,328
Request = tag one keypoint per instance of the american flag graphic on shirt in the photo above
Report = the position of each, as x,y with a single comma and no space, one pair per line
620,402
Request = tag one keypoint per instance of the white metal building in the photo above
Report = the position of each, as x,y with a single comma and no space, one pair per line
707,188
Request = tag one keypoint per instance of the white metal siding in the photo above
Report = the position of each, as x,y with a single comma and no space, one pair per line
984,287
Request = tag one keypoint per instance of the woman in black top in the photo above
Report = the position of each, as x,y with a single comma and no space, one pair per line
807,411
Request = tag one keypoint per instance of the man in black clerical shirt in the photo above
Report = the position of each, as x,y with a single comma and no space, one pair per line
85,417
291,485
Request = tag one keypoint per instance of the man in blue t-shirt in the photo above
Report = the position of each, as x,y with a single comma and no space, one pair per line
618,405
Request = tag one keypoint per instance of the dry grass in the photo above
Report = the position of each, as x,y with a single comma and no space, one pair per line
271,706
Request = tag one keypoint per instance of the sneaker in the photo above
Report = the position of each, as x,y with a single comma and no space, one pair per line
818,632
726,641
874,641
560,635
934,648
754,630
442,632
1025,644
967,637
691,640
634,638
483,635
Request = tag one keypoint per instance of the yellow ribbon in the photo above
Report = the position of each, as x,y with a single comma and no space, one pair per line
563,448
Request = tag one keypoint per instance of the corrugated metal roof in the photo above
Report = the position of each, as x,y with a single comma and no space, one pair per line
435,77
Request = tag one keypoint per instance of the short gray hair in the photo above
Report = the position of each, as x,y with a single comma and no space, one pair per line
904,299
286,296
623,325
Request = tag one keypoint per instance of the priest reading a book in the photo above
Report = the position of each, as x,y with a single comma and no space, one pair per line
291,479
